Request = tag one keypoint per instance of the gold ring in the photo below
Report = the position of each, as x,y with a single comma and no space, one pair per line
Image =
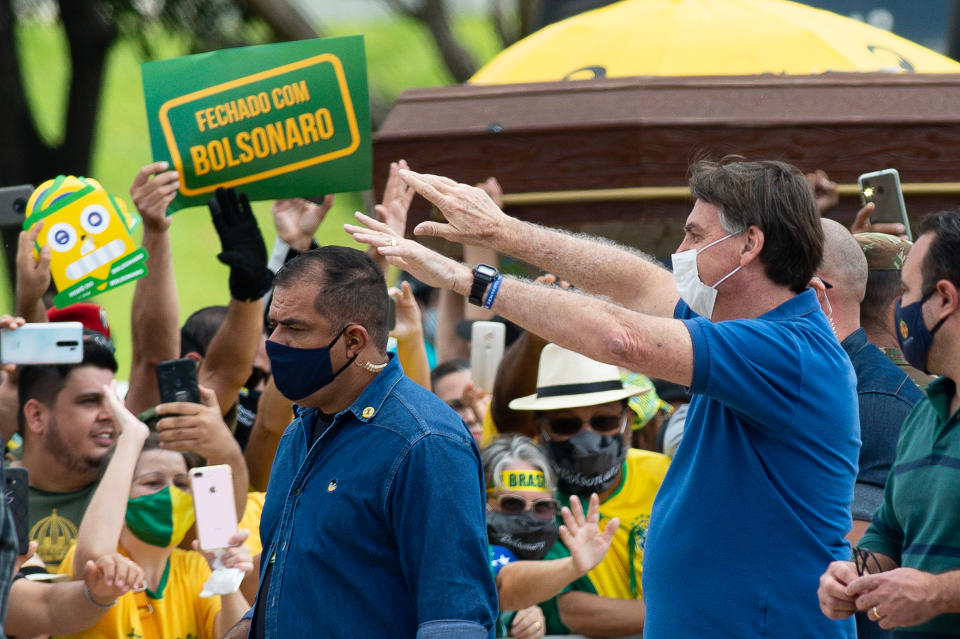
393,241
876,614
537,625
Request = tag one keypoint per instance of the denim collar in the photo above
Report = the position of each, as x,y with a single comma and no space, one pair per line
855,342
372,396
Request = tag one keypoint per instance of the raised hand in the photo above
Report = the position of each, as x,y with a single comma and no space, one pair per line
409,320
581,534
471,214
243,248
126,421
33,273
152,191
297,220
397,196
427,266
824,190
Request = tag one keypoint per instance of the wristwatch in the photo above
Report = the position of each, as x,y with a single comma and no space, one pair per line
483,274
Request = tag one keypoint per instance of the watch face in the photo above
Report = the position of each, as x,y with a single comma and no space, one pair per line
484,269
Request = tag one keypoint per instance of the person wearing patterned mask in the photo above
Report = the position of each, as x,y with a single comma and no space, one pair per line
584,421
154,485
522,527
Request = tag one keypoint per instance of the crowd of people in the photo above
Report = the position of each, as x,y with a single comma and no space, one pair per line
756,442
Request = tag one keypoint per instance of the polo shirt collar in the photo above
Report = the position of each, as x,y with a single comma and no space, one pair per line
941,391
797,306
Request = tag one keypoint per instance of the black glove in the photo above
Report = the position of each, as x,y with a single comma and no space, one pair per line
243,248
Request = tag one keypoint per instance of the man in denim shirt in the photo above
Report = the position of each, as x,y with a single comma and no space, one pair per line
885,393
374,520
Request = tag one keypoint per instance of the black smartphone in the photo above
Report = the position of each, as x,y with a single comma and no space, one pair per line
177,379
13,204
17,494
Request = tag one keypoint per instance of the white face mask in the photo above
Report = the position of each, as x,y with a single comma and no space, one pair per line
698,296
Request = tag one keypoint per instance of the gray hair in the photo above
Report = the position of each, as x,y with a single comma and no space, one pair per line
506,449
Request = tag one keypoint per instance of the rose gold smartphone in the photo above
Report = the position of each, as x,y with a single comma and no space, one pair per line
213,505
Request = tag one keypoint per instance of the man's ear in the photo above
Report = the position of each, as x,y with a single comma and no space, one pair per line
753,245
949,298
36,416
356,339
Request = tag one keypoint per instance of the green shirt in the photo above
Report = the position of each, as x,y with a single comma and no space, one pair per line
918,524
54,521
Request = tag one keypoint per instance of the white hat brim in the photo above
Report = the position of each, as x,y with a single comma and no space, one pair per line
532,402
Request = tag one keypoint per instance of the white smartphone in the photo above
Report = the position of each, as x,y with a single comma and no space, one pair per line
213,505
487,341
42,343
883,189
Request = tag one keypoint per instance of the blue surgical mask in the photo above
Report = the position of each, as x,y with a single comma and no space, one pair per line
912,333
300,372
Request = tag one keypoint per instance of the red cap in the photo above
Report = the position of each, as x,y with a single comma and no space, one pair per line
92,316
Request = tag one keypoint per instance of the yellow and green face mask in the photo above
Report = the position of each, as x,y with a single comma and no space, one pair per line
161,519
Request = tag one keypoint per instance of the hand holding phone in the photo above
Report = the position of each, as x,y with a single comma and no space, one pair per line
42,343
177,379
214,505
882,188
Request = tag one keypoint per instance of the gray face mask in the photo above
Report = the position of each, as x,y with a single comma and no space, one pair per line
587,462
698,296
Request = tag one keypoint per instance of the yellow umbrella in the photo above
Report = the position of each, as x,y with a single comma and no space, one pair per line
706,37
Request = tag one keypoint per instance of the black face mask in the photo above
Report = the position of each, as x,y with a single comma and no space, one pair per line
524,535
587,462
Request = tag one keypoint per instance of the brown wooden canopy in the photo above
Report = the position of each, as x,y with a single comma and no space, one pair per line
610,156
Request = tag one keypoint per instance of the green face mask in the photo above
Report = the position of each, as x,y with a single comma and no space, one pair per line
161,519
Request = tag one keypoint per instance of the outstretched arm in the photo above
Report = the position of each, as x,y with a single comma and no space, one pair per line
597,266
597,328
70,607
229,358
155,313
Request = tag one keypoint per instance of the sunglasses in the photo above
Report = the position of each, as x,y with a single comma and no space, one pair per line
605,424
515,505
866,562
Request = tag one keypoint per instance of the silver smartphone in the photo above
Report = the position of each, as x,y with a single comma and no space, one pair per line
487,340
883,189
42,343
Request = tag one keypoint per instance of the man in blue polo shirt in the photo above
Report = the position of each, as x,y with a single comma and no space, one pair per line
758,495
374,521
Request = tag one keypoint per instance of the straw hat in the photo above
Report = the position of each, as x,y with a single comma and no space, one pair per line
569,380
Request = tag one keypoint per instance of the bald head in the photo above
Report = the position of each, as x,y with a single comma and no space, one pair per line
844,265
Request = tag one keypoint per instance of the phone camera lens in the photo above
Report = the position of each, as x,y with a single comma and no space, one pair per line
20,205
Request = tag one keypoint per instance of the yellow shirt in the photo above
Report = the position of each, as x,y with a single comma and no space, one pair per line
618,575
251,521
177,613
490,431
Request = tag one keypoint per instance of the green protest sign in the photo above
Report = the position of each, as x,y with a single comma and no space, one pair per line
274,121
